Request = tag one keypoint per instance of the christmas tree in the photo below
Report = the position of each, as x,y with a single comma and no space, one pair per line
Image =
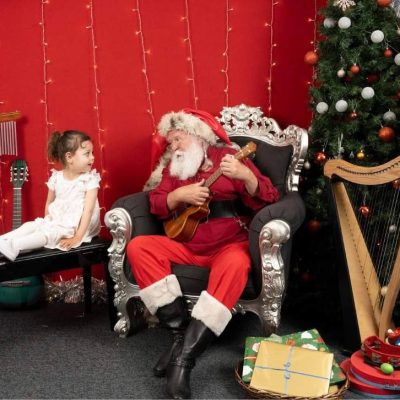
355,97
356,92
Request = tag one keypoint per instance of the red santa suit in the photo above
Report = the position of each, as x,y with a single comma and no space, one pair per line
220,244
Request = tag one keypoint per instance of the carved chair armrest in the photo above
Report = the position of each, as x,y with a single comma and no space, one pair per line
270,234
289,208
129,217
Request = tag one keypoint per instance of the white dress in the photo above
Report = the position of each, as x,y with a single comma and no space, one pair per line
65,212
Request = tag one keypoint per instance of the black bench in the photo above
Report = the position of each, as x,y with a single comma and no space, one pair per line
43,261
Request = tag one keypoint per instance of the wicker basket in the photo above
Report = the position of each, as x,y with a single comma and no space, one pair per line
265,394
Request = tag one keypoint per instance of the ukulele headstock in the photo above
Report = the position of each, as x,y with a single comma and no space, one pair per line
245,151
19,173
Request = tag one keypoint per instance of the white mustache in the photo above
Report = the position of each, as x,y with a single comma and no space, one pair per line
179,154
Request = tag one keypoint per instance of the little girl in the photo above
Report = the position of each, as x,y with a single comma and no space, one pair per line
72,213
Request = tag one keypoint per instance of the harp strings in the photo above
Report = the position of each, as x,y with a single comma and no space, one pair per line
377,209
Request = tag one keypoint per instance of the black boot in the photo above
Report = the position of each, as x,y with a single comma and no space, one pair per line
197,338
173,316
160,368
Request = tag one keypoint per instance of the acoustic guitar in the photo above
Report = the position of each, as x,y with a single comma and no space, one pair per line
183,226
18,176
25,291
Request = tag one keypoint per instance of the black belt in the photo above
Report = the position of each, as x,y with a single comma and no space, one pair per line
222,209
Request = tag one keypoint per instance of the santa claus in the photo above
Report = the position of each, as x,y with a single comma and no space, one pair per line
220,242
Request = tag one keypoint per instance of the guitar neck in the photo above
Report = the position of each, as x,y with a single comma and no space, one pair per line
17,208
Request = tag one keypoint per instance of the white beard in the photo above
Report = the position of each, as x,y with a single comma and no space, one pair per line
185,164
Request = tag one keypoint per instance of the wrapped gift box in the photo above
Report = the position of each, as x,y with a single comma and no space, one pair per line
310,339
291,370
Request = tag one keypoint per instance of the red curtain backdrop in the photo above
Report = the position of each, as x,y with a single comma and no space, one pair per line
113,68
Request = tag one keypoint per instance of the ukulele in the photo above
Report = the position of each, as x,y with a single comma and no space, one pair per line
183,226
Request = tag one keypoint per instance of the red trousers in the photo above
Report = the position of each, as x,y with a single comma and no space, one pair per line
151,258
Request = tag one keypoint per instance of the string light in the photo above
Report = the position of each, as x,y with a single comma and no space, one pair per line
272,64
96,107
314,41
225,71
188,40
139,33
46,79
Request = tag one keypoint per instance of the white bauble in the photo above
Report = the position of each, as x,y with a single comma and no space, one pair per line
397,59
367,93
392,228
344,23
307,165
341,73
329,22
322,107
341,105
389,116
377,36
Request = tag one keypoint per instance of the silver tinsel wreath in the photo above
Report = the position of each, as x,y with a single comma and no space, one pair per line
71,291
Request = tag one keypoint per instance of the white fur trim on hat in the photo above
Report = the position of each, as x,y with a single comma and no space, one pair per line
211,312
156,175
188,123
160,293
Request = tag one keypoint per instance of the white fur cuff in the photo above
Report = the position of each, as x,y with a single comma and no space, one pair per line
160,293
212,313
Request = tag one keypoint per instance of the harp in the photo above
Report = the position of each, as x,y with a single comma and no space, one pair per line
366,203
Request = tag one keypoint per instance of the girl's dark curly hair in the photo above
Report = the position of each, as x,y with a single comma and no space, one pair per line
61,143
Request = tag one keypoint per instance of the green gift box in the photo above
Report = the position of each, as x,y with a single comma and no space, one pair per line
310,339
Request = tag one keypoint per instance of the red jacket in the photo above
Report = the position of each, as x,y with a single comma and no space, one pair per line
215,232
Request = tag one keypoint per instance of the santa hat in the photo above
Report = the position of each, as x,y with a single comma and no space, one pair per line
195,122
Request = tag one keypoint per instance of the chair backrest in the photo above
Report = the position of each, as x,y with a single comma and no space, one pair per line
280,153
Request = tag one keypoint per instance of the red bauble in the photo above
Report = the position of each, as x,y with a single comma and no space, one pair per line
384,3
371,78
396,184
353,115
386,134
313,225
320,157
305,277
355,69
388,53
364,210
311,57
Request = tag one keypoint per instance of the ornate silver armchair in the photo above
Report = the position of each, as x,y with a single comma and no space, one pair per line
280,155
